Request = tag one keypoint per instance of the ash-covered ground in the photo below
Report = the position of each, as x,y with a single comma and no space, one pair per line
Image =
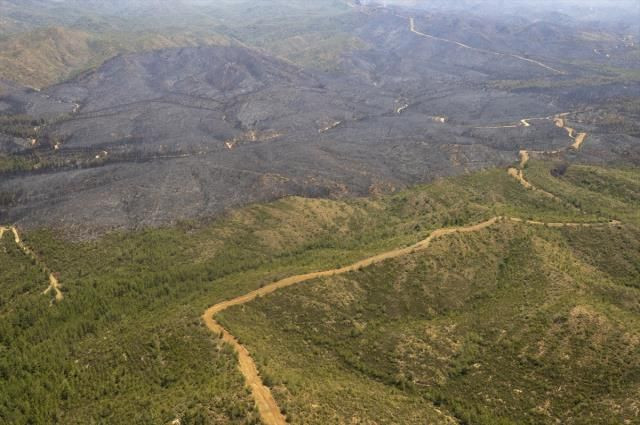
150,138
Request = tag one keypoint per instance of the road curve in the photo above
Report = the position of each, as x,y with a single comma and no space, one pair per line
268,408
559,120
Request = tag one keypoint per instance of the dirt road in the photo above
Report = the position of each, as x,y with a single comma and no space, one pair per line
578,138
559,120
267,406
522,123
551,224
578,141
400,109
269,411
412,28
524,159
54,284
519,175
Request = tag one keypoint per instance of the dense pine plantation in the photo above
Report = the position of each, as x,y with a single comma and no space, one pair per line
127,344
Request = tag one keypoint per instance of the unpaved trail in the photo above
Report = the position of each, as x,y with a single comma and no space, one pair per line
54,284
519,175
524,158
499,126
525,122
551,224
578,138
400,109
412,28
559,121
268,408
269,411
329,127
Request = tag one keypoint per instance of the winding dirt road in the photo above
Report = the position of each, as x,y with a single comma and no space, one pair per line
578,138
400,109
518,174
412,28
559,120
269,411
54,284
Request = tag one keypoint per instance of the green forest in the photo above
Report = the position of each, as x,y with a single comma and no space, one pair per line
533,310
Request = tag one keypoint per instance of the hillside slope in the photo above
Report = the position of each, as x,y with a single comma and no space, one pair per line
547,317
546,314
309,100
127,343
46,56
